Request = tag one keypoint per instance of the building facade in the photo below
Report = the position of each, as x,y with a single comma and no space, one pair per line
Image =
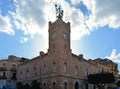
59,68
107,65
8,72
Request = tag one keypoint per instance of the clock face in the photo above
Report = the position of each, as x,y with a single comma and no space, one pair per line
65,36
53,36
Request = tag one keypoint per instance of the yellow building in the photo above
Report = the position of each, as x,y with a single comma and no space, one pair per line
8,71
107,65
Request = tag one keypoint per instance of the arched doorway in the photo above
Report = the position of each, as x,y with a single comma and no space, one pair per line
54,85
76,85
65,85
86,86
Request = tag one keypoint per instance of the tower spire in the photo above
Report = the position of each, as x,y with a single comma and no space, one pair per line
59,11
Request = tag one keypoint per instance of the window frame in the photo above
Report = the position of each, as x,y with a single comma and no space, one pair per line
54,67
65,67
76,71
44,70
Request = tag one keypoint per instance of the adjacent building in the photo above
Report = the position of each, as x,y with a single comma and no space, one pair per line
8,71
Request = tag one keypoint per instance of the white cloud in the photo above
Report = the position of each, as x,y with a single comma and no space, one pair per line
105,12
23,39
5,25
75,17
88,3
29,16
32,17
114,56
74,2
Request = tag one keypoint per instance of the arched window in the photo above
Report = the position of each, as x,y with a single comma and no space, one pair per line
35,71
102,70
54,85
21,75
86,73
54,67
76,70
27,73
65,85
44,70
65,67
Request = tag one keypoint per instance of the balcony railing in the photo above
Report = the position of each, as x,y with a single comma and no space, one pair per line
3,68
3,77
13,69
13,78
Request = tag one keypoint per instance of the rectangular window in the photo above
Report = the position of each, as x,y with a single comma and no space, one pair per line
76,71
27,73
45,70
4,74
21,75
86,74
4,65
35,71
54,67
65,67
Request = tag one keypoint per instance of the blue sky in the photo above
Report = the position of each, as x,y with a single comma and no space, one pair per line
95,27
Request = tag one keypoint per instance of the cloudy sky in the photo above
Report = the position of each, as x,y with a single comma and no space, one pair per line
95,27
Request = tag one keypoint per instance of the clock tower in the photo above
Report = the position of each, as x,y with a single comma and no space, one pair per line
59,36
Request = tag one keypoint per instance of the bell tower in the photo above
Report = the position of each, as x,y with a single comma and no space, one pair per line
59,35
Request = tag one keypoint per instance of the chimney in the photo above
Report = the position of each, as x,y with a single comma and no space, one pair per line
42,53
81,56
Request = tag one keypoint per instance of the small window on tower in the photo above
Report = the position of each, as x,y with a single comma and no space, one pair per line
65,46
65,36
53,36
54,46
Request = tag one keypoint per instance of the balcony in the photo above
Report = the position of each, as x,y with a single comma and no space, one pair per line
13,69
13,78
3,77
3,68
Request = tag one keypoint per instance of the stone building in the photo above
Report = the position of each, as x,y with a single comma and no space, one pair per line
107,65
8,71
59,68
